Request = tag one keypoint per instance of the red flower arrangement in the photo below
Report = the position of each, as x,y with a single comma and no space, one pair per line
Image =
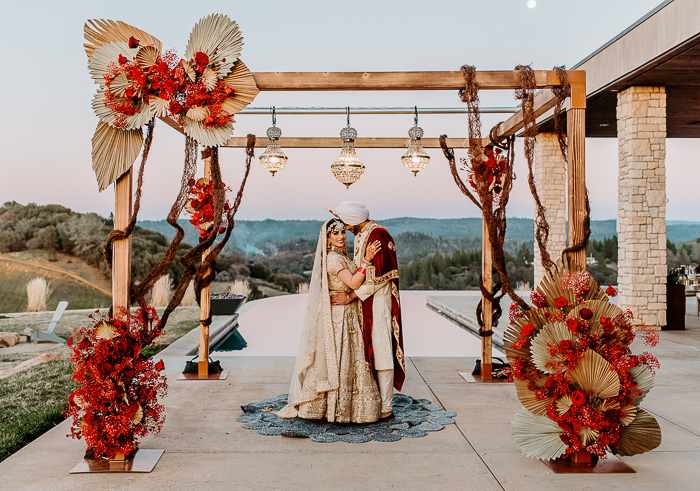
200,206
585,380
611,291
116,401
182,86
495,165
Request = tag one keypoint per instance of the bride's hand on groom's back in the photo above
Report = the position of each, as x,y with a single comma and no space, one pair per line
372,250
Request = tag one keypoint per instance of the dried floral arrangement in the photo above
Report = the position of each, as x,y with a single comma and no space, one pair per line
116,401
138,81
574,372
493,167
200,205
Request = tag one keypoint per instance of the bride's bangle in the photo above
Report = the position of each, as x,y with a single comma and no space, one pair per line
362,270
365,264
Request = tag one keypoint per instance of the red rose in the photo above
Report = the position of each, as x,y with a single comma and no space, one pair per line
175,107
201,58
170,86
224,60
561,302
586,313
610,291
577,398
133,42
191,182
565,438
528,330
122,59
572,324
229,91
565,344
160,366
222,230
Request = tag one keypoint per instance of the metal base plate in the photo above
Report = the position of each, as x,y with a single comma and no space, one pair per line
144,460
214,376
610,465
478,378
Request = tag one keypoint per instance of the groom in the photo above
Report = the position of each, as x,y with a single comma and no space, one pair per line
381,312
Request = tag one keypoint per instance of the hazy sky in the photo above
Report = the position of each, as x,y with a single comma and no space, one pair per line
48,122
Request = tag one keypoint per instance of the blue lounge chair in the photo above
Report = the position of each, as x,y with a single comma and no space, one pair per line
48,335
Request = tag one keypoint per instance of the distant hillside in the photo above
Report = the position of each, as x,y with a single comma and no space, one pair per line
256,236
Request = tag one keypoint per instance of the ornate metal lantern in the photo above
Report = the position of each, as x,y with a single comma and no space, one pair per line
273,159
348,168
415,159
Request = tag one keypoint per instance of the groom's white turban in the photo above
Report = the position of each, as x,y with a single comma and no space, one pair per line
352,212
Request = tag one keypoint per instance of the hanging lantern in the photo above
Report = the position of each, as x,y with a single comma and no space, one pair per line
347,168
415,159
273,159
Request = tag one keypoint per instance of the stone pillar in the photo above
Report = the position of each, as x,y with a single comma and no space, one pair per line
641,203
550,178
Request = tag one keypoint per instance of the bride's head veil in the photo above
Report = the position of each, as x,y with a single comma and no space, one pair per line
317,333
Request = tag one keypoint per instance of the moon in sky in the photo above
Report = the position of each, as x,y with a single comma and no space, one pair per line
532,4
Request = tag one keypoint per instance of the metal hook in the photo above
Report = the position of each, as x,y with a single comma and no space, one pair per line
347,108
274,116
415,119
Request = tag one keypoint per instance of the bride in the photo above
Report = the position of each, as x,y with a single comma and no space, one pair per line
331,379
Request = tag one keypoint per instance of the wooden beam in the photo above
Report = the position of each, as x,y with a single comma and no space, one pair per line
121,249
487,308
204,299
576,180
341,81
312,142
544,101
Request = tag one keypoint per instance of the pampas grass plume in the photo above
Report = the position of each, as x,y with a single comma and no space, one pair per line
37,293
189,299
162,292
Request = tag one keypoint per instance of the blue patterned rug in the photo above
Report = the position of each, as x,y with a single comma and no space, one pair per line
413,418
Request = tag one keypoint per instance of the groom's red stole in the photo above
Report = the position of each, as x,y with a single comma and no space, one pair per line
386,269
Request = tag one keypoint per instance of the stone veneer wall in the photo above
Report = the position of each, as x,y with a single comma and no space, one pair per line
550,178
641,214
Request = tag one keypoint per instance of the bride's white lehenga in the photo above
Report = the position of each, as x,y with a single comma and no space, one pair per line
331,379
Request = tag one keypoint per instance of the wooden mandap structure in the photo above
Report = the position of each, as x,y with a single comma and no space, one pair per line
545,100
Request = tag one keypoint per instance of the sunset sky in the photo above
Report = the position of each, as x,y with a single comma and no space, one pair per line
47,120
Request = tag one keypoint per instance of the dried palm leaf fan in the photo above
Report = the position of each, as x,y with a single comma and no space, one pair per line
641,435
644,379
241,80
537,436
105,330
630,414
106,115
595,374
218,37
147,57
113,152
109,31
529,399
588,436
551,333
512,333
564,403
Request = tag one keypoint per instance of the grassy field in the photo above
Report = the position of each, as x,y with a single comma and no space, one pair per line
87,292
32,401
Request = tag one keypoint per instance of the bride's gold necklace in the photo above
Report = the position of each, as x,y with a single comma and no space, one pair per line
337,250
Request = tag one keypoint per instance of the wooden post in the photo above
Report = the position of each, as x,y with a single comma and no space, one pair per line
487,309
205,299
576,169
121,250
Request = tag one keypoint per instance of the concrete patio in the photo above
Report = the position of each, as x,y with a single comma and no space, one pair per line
206,448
